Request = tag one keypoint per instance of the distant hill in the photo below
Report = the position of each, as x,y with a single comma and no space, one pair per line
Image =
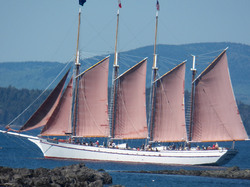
38,75
30,75
13,103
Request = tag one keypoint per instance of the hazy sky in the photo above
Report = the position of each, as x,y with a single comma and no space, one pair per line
45,30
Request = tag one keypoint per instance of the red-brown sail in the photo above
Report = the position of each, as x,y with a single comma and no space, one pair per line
60,121
216,116
169,113
92,109
42,115
131,122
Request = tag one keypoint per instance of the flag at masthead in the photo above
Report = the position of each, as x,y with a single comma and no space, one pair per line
119,4
81,2
157,5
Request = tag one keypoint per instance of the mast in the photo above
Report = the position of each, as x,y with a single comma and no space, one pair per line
192,100
77,67
154,74
114,81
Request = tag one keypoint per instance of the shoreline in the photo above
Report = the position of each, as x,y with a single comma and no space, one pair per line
229,173
80,175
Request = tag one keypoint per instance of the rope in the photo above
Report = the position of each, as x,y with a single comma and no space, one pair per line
38,96
21,142
205,58
98,33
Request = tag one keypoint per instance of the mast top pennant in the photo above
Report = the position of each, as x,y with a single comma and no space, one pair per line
81,2
119,4
157,5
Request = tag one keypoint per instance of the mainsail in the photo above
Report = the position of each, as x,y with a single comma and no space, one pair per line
60,121
42,115
130,109
169,113
216,116
92,106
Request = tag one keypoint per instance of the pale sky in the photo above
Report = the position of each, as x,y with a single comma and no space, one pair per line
45,30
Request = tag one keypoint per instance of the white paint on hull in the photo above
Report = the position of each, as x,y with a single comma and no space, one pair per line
81,152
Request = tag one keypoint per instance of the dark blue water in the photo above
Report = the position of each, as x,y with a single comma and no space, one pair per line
20,153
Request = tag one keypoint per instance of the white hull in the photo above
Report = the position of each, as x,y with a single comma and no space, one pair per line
59,150
81,152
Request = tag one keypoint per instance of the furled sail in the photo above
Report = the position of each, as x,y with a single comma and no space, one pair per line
60,121
169,113
42,115
92,108
216,116
130,109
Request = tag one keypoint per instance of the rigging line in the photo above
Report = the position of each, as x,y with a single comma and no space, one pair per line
64,38
132,58
121,59
207,57
97,58
161,72
128,59
129,55
125,66
124,63
203,58
39,95
24,143
169,59
98,33
168,65
135,37
96,53
166,29
204,62
91,55
157,75
128,70
164,64
219,50
201,64
88,65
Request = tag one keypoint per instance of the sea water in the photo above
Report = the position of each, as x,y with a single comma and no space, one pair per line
20,153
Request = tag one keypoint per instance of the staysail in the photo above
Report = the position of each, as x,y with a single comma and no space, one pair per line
92,107
216,116
60,121
130,109
169,113
42,115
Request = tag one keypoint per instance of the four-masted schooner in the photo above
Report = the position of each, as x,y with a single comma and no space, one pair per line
81,110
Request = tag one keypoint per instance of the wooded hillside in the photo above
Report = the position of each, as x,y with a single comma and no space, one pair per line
13,101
